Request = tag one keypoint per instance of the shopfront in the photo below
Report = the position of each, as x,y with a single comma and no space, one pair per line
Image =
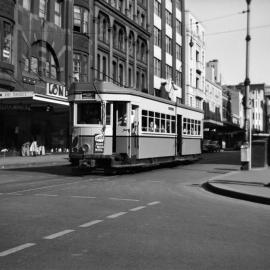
26,116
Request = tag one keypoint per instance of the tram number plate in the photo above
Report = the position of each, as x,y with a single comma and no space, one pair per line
92,163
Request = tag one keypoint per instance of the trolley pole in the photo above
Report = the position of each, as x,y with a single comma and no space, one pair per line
246,147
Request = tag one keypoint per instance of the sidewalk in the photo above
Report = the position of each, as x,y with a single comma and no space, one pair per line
253,185
23,162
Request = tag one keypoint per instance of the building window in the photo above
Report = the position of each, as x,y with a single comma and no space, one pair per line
168,15
157,8
42,9
6,43
27,4
157,67
120,5
58,13
179,4
168,72
131,45
114,75
178,27
178,52
178,78
168,45
34,65
50,66
157,37
121,75
80,67
80,20
130,77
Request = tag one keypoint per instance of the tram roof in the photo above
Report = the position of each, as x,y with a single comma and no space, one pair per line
102,87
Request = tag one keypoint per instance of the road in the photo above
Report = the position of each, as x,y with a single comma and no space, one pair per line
54,218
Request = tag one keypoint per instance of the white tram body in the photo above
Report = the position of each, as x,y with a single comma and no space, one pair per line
114,127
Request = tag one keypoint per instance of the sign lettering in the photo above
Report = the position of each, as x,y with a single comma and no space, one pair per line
56,90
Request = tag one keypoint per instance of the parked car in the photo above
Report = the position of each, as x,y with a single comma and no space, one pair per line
210,146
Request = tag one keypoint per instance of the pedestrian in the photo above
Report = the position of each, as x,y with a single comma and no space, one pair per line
33,147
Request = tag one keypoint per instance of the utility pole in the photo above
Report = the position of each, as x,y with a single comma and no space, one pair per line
246,147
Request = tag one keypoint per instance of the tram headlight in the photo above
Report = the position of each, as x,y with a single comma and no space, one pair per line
74,149
85,148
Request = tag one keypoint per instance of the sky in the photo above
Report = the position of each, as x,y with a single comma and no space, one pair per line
229,48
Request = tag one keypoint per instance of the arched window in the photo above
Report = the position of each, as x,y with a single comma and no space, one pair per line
131,44
115,37
121,40
143,52
44,61
105,30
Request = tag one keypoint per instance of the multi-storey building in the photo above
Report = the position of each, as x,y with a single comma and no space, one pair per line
257,103
167,49
267,109
195,62
35,72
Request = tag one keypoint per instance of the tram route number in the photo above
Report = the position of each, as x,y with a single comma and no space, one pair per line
99,143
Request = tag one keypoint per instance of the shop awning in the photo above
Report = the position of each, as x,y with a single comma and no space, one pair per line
28,96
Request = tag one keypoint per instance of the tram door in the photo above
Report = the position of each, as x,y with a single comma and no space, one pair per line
120,140
134,136
179,134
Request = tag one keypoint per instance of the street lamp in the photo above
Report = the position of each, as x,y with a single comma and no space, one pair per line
246,147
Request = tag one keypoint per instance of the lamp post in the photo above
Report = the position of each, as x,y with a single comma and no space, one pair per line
246,147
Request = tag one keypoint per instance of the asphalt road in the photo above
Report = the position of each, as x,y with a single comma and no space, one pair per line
56,218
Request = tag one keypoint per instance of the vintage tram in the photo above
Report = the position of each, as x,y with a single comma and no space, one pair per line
117,128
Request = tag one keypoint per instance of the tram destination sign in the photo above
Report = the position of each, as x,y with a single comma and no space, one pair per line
99,143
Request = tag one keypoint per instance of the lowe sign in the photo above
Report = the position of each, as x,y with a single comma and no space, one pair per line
56,90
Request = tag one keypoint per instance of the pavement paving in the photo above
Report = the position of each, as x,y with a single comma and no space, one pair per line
13,162
252,185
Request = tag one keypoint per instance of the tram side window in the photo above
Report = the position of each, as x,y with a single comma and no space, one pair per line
122,114
144,120
162,126
168,123
89,113
151,123
157,122
108,113
173,124
191,127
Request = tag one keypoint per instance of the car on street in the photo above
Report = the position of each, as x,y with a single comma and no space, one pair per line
210,146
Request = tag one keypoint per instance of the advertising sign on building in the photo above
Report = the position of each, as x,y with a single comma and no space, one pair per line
14,94
99,143
56,90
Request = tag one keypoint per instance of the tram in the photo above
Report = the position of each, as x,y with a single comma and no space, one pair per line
116,128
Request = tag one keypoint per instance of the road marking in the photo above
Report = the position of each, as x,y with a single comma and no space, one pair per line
47,195
57,185
16,249
137,208
14,194
59,234
116,215
121,199
91,223
83,197
155,181
153,203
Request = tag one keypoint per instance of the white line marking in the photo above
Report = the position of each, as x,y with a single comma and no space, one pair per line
83,197
153,203
116,215
55,235
120,199
91,223
16,249
155,181
47,195
14,194
137,208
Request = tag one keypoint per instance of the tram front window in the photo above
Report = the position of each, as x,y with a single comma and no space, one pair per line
89,113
